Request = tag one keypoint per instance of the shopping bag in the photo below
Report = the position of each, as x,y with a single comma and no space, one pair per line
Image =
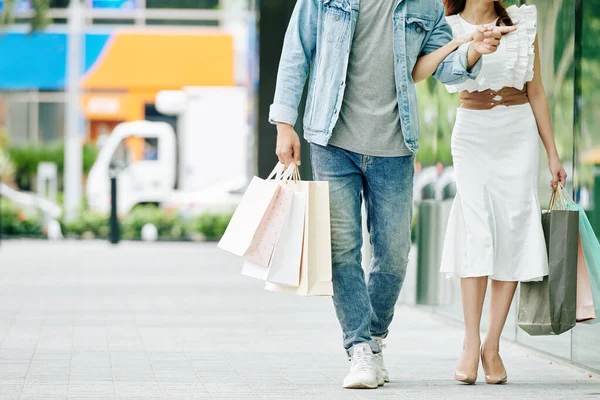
585,299
315,269
591,251
258,219
284,259
287,256
284,266
549,306
254,270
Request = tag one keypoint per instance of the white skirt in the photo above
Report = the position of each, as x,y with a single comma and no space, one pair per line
495,224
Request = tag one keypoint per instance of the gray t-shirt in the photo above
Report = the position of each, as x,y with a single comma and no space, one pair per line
369,121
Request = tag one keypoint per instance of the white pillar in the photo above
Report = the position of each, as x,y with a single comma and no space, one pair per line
73,146
239,28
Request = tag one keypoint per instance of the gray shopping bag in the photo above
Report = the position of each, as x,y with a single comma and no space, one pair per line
549,307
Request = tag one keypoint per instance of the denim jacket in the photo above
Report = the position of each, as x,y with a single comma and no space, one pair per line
318,40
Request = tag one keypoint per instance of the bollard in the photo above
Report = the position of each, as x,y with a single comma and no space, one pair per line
114,233
432,220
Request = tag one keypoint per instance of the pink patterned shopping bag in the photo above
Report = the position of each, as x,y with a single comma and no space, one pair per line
585,300
255,225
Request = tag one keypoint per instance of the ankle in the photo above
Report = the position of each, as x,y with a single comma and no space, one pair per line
490,347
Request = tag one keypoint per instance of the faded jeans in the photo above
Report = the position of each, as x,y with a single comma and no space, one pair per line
365,304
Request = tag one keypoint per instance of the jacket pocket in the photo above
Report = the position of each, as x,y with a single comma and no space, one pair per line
343,5
336,23
417,30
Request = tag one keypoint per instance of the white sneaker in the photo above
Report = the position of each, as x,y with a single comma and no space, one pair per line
363,372
379,362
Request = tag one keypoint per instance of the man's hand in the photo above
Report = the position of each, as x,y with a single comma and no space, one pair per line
486,40
288,145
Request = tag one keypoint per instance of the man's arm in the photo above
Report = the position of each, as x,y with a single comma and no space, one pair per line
465,63
298,51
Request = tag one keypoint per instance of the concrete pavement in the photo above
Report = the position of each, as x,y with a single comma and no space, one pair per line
83,320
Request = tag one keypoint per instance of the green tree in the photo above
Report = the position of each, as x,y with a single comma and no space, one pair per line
39,20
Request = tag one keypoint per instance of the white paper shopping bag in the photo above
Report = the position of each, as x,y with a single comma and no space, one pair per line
315,270
284,268
253,270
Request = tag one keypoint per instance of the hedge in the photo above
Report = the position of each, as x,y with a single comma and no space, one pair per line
16,222
26,160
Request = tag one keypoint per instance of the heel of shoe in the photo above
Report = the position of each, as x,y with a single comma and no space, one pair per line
496,380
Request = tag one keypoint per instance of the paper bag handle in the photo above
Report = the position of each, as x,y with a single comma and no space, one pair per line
277,172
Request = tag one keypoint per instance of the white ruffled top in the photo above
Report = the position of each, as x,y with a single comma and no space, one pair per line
512,63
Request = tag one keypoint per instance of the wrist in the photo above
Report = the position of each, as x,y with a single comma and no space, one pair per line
283,125
553,158
473,52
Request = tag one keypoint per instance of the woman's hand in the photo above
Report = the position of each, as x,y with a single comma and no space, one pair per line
459,41
487,39
558,173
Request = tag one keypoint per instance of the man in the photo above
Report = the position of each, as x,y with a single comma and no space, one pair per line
361,120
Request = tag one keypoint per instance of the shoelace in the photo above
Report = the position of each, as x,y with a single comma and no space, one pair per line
361,361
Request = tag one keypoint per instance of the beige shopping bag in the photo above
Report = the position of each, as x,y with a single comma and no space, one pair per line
315,269
255,226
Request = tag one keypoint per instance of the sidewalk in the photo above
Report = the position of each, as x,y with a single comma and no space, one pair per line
82,320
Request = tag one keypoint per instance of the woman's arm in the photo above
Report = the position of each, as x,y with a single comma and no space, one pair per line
426,65
539,104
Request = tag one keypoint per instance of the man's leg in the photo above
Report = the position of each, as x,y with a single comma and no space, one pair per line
343,171
389,198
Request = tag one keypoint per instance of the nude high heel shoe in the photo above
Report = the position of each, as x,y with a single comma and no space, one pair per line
494,379
468,377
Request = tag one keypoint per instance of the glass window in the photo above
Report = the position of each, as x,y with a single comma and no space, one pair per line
134,149
52,121
586,338
17,122
197,4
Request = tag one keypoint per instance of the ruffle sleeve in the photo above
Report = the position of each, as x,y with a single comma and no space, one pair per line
520,49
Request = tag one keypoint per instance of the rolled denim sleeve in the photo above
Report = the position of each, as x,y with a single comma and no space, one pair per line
461,63
454,69
298,51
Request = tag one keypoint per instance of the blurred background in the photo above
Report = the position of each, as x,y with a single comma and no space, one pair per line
156,111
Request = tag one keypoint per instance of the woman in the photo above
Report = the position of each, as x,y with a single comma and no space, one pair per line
495,230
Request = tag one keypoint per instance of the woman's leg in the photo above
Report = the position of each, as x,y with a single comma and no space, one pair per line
501,297
473,295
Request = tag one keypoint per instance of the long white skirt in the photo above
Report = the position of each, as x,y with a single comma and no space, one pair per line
495,225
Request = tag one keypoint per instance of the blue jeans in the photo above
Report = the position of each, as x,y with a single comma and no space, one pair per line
365,306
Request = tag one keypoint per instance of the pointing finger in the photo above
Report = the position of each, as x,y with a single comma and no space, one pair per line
503,30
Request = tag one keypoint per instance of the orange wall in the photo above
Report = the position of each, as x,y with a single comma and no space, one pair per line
163,60
135,65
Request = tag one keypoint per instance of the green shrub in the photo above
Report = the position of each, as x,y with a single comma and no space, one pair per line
16,222
88,223
168,224
211,226
27,158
